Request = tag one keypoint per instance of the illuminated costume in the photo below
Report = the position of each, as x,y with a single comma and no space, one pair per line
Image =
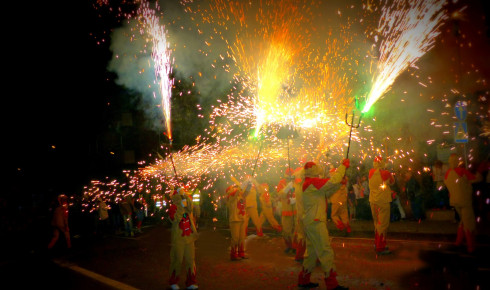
316,190
458,181
59,222
236,217
267,212
380,197
340,212
252,213
183,236
286,193
299,231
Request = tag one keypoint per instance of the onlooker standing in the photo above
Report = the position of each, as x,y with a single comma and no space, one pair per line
414,195
441,196
364,186
60,222
352,203
139,205
397,204
126,208
103,217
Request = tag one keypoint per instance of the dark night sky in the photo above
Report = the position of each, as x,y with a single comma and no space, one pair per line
57,81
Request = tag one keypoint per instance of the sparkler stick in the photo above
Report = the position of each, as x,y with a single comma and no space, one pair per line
171,158
257,159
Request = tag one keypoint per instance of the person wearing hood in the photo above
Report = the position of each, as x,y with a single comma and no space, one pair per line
299,241
267,213
316,190
340,213
380,197
286,193
251,205
458,181
236,217
183,236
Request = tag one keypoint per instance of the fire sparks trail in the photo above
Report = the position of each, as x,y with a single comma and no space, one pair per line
161,57
289,64
408,34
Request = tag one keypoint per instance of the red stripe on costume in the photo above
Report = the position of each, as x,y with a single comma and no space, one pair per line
371,172
172,210
385,175
281,185
315,181
460,171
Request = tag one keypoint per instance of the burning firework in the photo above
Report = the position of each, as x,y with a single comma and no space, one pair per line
408,33
161,56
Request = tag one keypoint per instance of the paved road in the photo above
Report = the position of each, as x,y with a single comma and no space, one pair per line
116,262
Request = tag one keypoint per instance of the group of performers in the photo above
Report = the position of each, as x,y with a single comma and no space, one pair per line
304,195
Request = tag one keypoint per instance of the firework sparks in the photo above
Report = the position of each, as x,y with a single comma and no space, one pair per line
161,57
408,34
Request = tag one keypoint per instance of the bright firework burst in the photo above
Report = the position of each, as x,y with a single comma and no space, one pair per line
408,33
161,57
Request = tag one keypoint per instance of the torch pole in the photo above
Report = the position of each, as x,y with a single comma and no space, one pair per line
171,158
257,159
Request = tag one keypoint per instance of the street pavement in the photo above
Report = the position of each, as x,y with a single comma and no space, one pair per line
423,258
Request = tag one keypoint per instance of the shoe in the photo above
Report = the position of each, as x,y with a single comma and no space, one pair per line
384,252
193,287
174,287
308,286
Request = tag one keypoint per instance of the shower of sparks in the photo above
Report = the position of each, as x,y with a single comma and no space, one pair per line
161,57
287,70
408,33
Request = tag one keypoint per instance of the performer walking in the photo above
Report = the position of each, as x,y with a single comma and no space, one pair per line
267,212
299,241
380,197
458,181
316,190
286,193
340,212
251,206
183,236
236,213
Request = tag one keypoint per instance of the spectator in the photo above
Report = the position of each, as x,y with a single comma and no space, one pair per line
441,195
59,222
115,217
352,203
397,209
126,207
364,186
139,205
102,217
414,195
